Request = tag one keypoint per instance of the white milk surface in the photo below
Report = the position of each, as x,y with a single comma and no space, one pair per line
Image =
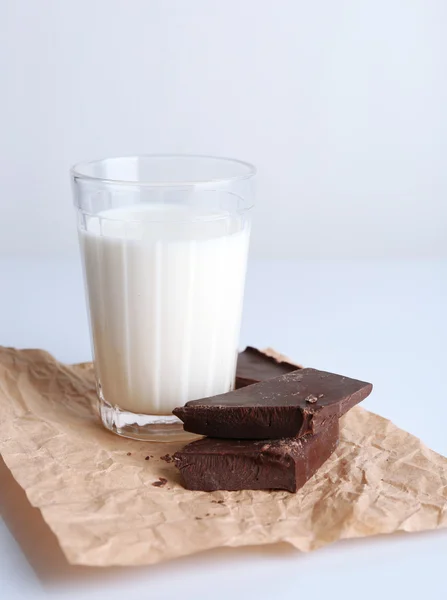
165,290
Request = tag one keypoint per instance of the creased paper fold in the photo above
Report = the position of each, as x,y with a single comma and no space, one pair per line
96,492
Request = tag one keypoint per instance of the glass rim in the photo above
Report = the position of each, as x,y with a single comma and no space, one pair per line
76,171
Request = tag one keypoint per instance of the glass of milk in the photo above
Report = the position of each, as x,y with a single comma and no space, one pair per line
164,242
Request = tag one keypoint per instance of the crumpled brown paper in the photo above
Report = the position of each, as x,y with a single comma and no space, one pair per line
95,489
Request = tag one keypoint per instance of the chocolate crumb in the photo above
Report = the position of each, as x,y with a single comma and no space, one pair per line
160,483
199,518
207,515
167,458
147,458
311,399
220,502
129,454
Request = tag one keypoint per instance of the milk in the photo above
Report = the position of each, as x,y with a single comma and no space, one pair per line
165,288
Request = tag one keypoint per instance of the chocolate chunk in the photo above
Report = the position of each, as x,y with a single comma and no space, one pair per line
213,464
254,366
275,408
161,482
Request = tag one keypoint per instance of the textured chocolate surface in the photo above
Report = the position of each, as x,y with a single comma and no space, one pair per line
254,366
214,464
295,404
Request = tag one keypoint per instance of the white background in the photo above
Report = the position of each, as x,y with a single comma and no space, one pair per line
340,103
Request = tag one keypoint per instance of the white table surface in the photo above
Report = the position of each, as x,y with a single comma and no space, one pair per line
379,321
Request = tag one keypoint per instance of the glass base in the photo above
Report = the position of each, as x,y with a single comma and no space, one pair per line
146,428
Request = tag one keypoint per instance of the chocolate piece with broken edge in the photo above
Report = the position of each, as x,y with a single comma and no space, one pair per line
213,464
254,366
275,408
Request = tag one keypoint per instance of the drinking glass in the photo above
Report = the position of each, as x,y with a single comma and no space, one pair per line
164,242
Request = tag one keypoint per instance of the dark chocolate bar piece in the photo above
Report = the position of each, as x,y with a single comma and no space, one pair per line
294,404
254,366
213,464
